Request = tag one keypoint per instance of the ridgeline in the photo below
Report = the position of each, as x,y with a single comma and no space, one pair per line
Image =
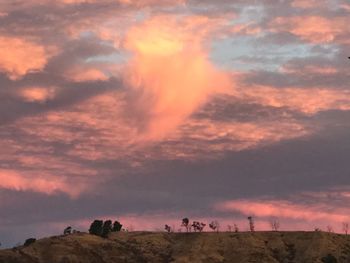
139,247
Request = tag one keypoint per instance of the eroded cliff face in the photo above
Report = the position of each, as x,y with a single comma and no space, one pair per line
260,247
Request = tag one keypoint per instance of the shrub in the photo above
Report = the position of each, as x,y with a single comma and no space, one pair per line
67,230
29,241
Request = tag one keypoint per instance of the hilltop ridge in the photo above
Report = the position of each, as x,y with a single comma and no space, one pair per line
139,247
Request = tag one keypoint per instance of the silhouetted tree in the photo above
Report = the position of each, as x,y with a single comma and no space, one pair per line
67,230
117,226
107,228
330,229
202,226
229,228
345,227
198,226
29,241
185,223
236,228
214,225
96,228
251,224
167,228
275,224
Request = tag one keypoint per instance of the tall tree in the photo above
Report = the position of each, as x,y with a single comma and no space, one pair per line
96,227
107,228
117,226
185,223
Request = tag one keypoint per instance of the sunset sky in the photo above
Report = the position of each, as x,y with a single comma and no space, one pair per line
148,111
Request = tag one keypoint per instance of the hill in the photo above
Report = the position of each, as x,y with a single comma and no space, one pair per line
259,247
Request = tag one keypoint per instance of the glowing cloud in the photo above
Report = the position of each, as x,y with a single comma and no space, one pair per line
307,101
85,75
19,57
16,181
284,209
170,75
37,94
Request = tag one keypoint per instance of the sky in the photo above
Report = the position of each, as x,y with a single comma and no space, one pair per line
149,111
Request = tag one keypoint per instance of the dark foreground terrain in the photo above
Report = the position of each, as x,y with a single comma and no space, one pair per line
260,247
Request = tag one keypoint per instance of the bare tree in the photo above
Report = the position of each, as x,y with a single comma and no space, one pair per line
229,228
236,228
251,224
275,224
215,225
346,227
330,229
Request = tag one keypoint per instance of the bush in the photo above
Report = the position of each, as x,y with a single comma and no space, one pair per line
29,241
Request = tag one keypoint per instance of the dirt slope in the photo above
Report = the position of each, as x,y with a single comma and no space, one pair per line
259,247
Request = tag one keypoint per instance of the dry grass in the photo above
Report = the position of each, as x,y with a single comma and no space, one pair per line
260,247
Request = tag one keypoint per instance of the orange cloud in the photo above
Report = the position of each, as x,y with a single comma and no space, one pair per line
84,74
308,101
37,94
314,29
306,4
211,139
19,56
49,185
287,210
138,3
170,75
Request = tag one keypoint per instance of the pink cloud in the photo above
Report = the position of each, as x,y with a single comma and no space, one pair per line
306,100
310,69
314,29
306,4
170,74
85,74
19,56
37,94
308,210
20,181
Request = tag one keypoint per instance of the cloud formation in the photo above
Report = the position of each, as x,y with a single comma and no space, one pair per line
127,105
19,56
170,75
